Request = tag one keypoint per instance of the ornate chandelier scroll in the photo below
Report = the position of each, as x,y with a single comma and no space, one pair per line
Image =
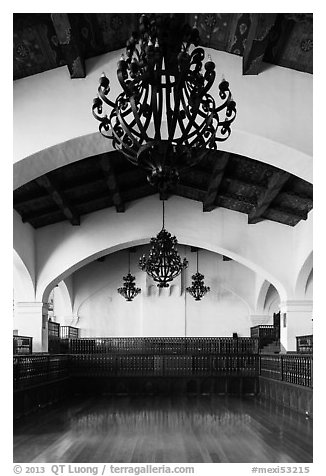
198,288
163,263
165,82
129,290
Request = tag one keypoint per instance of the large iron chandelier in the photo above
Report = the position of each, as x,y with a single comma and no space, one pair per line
129,290
198,288
163,263
164,81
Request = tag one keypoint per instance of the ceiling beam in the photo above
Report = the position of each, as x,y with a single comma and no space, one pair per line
29,202
112,184
257,42
69,41
189,192
275,185
303,199
30,217
59,199
215,182
295,214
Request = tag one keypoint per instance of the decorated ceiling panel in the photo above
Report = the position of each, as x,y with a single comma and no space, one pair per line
45,41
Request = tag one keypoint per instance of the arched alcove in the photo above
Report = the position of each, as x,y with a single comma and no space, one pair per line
100,311
303,276
272,301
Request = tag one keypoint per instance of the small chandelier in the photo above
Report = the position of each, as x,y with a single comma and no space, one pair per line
129,290
164,82
198,288
163,263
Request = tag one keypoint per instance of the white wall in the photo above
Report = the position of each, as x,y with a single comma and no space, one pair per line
171,311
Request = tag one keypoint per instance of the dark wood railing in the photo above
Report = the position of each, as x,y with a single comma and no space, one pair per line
37,369
291,368
161,345
99,365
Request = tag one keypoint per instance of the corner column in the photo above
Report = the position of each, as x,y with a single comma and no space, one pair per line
31,320
296,320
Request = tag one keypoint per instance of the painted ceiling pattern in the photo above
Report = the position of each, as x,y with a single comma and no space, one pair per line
37,45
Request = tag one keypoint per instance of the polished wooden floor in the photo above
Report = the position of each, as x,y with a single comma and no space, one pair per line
205,429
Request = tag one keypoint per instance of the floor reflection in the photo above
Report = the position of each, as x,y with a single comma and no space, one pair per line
164,429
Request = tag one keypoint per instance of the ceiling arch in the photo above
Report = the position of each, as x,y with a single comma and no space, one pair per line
67,249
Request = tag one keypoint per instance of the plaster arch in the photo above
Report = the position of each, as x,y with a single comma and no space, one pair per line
241,298
144,241
260,304
43,142
64,249
302,277
240,142
24,290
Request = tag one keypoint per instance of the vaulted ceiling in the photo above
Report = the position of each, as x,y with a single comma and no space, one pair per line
43,41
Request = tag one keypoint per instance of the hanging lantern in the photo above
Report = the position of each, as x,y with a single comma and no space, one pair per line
198,288
129,290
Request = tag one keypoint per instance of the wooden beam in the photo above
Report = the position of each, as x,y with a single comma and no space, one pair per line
189,192
295,214
257,42
275,184
69,41
303,199
29,202
27,218
59,200
112,184
215,182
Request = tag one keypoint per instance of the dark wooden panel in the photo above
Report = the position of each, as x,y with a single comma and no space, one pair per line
296,397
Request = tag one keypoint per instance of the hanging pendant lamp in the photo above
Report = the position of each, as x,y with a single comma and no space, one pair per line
129,290
198,288
163,263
